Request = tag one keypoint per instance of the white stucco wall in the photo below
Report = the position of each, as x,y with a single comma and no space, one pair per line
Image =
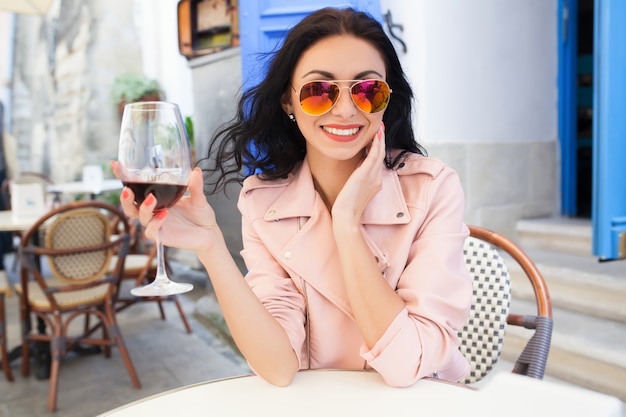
158,27
485,77
483,70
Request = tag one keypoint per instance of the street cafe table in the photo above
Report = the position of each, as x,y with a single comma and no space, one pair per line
8,222
11,223
81,187
362,393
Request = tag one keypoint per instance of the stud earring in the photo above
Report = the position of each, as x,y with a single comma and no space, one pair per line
292,117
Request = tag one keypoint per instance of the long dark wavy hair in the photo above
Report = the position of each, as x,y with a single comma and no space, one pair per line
261,139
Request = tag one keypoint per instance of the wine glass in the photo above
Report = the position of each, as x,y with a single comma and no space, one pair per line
155,158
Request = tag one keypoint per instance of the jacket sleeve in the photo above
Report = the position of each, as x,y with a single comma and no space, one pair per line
273,286
437,291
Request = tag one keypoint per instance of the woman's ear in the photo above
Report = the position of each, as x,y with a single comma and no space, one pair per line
285,103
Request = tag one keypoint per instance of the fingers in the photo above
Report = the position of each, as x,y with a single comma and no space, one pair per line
146,209
196,187
115,167
380,139
144,213
376,152
127,201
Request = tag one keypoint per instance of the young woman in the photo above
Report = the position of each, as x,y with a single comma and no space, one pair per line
353,239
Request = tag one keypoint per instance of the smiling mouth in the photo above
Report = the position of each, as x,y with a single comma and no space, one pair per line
342,132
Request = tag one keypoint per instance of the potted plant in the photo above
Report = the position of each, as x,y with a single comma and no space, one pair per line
190,134
131,87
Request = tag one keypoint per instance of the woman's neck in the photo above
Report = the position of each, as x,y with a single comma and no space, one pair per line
329,177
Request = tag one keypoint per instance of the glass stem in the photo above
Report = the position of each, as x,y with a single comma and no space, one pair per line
161,274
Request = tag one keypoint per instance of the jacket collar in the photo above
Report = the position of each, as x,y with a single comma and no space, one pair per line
388,206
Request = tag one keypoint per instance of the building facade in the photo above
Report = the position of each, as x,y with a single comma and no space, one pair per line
488,78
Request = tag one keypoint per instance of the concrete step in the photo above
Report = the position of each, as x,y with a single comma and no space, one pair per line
577,283
588,299
557,234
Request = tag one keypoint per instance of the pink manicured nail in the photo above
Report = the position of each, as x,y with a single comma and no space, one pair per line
149,199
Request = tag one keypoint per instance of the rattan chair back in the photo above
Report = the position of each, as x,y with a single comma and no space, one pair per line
84,234
483,335
481,340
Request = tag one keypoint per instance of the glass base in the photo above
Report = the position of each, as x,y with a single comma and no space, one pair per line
162,288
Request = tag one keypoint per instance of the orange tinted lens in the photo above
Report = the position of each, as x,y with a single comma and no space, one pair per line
371,96
317,97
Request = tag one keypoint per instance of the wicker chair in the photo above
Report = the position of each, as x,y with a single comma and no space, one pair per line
483,336
76,242
5,290
140,268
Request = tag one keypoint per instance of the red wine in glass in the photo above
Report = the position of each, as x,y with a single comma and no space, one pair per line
166,194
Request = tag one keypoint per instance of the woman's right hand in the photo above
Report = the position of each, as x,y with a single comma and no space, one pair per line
189,224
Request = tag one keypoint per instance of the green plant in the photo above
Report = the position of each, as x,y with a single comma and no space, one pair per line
129,87
189,128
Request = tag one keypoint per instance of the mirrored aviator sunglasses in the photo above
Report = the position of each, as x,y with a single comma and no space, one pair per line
318,97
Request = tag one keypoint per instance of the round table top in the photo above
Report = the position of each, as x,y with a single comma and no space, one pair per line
363,394
311,393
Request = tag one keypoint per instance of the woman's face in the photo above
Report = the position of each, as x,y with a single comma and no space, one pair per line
342,133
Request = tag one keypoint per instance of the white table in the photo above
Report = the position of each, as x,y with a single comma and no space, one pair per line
360,393
8,222
80,187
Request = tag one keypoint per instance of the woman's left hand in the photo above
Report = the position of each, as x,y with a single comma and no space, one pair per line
364,183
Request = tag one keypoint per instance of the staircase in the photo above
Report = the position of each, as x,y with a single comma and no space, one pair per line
589,305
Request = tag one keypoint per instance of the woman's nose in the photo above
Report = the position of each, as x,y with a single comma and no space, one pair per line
345,105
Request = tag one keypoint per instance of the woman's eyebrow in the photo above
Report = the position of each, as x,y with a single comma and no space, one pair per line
318,72
328,75
368,74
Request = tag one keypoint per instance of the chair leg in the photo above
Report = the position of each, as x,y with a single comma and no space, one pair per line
5,363
25,356
55,365
160,303
129,364
3,343
117,340
107,336
183,316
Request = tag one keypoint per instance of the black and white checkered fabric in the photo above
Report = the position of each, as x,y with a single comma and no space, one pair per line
481,338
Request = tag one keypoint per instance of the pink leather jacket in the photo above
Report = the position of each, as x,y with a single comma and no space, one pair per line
414,227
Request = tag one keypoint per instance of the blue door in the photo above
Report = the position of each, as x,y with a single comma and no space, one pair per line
263,24
567,36
609,130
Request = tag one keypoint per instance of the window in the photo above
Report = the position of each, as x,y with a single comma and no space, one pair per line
206,26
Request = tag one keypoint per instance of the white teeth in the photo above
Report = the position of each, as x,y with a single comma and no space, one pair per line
341,132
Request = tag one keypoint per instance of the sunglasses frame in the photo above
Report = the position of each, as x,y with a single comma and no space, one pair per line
337,82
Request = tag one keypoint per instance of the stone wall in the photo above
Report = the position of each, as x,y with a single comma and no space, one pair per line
217,83
63,116
504,182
